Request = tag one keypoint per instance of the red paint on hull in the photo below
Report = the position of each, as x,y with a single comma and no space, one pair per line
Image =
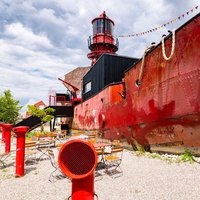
165,110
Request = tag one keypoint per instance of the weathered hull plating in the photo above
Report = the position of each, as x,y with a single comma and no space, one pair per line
164,112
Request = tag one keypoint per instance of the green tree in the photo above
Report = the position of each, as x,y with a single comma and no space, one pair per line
9,108
44,114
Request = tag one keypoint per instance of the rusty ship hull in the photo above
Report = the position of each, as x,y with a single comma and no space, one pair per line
162,113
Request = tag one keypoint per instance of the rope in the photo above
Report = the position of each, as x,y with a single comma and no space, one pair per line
139,81
173,46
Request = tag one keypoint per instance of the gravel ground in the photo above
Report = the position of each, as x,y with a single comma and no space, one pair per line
143,178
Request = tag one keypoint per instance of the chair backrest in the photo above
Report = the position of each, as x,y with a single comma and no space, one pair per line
59,144
30,144
52,157
42,136
93,141
52,135
116,143
117,152
76,134
91,136
64,132
100,150
118,149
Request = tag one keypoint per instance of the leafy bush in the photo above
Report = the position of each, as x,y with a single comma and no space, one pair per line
35,133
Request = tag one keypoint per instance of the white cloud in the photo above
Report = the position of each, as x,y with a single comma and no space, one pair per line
20,35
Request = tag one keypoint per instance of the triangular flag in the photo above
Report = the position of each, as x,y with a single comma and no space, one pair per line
161,26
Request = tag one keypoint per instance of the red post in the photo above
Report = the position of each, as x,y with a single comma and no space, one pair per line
83,188
7,136
20,149
77,159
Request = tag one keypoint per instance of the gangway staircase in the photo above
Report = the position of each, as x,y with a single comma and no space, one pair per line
34,122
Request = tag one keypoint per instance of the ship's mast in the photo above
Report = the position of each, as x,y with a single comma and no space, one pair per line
102,40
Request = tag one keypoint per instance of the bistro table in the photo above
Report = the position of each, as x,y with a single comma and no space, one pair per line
82,136
101,144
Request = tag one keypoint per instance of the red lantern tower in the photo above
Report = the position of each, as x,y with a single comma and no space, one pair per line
102,40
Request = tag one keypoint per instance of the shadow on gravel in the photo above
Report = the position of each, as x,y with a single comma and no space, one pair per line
58,177
30,169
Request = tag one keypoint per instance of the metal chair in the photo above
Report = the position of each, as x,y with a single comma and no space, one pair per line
3,157
30,151
43,146
44,142
113,161
100,162
55,165
93,140
116,143
63,135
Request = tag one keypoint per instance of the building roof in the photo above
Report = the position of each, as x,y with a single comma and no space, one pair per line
40,104
75,77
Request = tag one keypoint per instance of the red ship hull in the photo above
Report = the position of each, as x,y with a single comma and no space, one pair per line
163,114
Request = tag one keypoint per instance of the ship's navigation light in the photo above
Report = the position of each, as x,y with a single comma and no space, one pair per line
103,26
102,40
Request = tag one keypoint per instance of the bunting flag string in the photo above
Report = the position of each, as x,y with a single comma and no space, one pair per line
161,26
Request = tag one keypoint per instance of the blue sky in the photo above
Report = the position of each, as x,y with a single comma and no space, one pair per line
43,40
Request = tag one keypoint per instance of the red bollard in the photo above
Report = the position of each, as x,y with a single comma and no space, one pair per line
7,136
83,188
78,159
20,132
